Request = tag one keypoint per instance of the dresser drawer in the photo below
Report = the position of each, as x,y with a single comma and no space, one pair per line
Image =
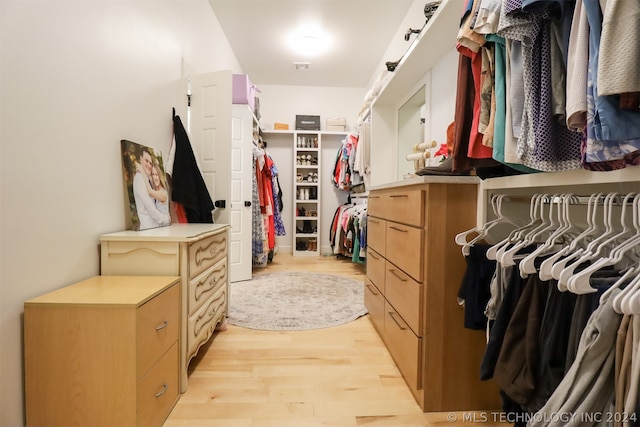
205,285
376,269
404,206
404,346
204,253
140,258
157,391
200,326
376,232
405,295
374,302
157,328
404,248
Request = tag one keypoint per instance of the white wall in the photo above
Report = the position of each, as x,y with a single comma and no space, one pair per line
398,45
281,103
76,77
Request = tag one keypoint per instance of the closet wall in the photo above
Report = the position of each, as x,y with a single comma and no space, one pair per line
76,78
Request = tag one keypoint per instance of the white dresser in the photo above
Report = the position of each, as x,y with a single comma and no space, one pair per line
195,252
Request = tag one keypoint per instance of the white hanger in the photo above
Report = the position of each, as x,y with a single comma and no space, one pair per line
568,270
461,238
492,252
627,274
501,219
557,229
579,282
546,267
506,259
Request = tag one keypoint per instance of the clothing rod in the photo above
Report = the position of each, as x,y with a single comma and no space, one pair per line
575,199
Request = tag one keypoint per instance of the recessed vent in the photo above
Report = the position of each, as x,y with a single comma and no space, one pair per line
301,65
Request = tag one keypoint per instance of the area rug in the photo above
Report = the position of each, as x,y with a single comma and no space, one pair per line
295,301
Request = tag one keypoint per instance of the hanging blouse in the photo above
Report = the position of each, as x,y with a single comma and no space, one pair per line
544,144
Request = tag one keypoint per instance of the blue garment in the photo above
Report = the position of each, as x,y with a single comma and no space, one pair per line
612,133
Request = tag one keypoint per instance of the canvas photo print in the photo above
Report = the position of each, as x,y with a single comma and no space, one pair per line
146,186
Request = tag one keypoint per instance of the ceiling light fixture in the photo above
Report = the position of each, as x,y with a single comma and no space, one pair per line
309,41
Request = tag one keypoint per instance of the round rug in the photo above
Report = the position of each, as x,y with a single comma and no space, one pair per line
295,301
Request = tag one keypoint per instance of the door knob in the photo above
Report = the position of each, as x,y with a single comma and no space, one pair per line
247,204
220,204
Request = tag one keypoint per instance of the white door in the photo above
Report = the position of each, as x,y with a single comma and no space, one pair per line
210,131
240,251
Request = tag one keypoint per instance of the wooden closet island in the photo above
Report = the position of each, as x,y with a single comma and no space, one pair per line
414,272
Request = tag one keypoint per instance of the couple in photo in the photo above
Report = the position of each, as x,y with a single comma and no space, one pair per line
146,186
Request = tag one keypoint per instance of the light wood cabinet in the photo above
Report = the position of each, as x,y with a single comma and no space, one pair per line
414,271
195,252
103,352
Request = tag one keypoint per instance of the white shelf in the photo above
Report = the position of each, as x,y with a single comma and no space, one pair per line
437,38
301,240
578,177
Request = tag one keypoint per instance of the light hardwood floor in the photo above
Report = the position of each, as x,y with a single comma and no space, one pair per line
341,376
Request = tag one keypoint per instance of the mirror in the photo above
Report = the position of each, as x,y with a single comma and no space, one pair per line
411,130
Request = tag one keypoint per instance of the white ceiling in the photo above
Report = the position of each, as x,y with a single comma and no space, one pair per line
361,30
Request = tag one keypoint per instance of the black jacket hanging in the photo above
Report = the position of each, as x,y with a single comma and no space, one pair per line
188,186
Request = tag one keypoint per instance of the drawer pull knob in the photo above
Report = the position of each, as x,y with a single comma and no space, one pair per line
373,256
371,289
164,325
402,328
374,197
373,221
397,275
161,392
399,229
399,195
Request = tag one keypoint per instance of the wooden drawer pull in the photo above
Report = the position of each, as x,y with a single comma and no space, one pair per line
164,325
371,289
374,197
373,221
161,392
391,314
373,256
399,229
397,275
399,195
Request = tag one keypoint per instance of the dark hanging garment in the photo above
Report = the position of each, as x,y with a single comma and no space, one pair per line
188,187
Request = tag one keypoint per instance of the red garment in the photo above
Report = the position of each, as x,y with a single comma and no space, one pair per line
265,194
476,149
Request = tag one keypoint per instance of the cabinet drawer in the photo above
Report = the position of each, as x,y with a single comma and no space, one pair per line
375,269
156,328
404,347
404,206
204,253
404,248
375,204
200,326
157,392
374,302
405,295
376,232
204,286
